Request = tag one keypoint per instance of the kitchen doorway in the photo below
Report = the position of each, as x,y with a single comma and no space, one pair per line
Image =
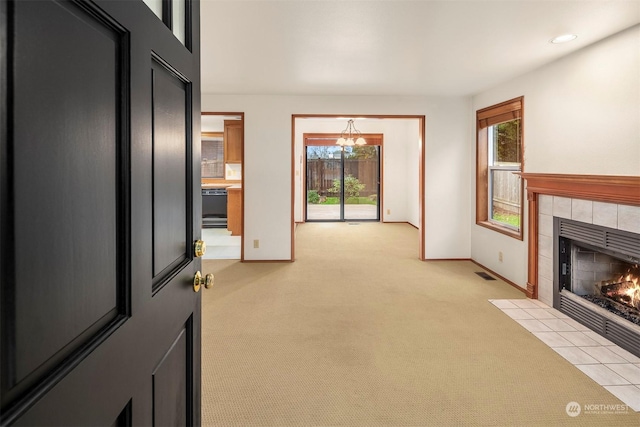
222,175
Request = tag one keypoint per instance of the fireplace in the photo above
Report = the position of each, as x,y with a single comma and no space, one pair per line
596,274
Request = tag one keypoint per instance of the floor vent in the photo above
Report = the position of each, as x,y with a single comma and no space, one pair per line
354,223
484,275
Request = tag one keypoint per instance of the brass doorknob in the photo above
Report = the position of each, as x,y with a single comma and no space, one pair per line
198,281
199,248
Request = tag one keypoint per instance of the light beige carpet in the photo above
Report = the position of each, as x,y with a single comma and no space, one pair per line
359,332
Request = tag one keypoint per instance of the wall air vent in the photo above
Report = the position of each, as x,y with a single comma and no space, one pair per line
624,244
609,239
582,232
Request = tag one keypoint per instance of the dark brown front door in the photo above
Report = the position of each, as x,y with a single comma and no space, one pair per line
99,164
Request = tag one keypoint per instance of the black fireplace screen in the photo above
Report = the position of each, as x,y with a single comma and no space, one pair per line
596,279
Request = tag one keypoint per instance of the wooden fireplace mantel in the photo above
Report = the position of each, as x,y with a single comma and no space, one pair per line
603,188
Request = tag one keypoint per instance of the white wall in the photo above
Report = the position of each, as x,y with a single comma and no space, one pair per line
268,144
581,116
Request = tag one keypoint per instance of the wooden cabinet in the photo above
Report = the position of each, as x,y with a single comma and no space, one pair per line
234,210
233,141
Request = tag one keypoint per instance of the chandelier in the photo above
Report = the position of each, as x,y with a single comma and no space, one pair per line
350,136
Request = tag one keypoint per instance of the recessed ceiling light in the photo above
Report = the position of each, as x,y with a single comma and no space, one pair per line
563,38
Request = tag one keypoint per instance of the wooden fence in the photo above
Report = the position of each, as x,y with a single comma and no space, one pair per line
506,192
322,172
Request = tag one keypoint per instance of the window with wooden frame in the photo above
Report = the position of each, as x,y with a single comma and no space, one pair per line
499,187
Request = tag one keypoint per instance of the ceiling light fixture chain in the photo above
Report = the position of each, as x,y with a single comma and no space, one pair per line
349,132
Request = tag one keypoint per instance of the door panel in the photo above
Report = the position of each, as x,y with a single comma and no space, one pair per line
99,321
170,155
68,180
170,385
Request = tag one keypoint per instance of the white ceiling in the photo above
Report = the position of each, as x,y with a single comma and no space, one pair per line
392,47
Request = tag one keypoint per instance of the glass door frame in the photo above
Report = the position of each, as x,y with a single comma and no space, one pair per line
329,140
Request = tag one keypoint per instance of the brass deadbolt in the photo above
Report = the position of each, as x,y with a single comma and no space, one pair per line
199,248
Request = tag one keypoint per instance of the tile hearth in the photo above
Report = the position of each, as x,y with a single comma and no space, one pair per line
612,367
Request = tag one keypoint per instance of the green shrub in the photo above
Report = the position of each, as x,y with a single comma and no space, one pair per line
313,197
352,186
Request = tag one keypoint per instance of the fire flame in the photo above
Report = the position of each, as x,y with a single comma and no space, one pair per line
633,291
625,288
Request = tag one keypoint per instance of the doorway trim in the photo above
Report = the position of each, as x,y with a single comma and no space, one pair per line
242,180
421,170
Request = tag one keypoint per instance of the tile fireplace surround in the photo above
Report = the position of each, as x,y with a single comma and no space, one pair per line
610,201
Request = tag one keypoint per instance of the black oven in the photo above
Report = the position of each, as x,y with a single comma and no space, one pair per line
214,207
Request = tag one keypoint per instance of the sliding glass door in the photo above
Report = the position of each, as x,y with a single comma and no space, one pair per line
342,183
361,179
